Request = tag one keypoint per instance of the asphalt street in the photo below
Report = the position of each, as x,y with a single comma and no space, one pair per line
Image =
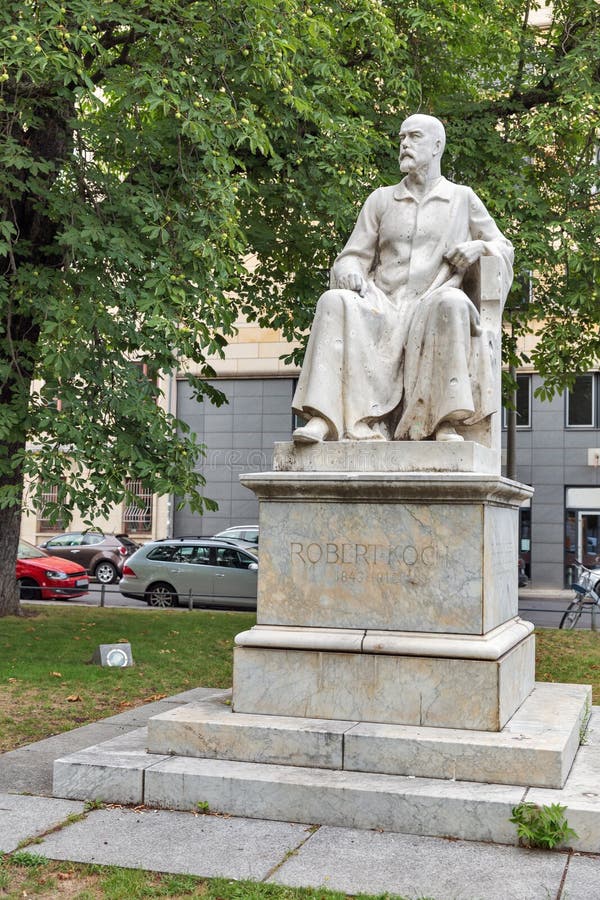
542,606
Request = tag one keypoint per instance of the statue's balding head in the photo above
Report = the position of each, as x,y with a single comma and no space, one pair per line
422,142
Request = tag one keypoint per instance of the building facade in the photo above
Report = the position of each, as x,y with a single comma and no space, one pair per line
557,452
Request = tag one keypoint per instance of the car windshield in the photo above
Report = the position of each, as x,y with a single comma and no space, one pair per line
28,551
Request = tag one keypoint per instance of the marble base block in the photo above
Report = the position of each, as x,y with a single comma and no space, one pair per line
536,747
386,456
433,552
433,781
447,692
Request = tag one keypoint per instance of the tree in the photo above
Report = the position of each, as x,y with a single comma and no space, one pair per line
125,130
149,146
520,105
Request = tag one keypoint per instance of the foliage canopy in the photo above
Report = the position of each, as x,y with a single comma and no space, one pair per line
149,146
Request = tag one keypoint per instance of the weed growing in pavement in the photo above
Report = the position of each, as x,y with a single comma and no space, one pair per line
583,738
542,826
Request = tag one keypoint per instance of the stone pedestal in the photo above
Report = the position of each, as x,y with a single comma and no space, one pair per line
387,595
388,681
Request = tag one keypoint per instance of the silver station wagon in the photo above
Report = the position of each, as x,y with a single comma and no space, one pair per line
209,572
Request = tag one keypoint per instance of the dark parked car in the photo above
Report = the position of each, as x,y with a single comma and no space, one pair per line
45,577
102,555
212,572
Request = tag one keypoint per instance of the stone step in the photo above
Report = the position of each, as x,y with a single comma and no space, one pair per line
121,770
536,747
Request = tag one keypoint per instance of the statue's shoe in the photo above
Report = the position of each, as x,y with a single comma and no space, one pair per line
447,432
313,432
362,432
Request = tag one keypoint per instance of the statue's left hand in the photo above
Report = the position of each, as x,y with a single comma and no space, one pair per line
464,255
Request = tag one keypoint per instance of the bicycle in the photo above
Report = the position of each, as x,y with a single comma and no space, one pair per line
587,593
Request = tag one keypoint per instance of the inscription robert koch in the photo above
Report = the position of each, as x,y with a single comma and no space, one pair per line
334,553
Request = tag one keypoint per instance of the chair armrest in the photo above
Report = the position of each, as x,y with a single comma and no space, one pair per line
483,284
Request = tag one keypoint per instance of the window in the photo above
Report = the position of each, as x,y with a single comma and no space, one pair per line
48,496
523,403
199,556
226,556
67,540
581,403
137,516
163,553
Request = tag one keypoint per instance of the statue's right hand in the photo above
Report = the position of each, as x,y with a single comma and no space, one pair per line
353,281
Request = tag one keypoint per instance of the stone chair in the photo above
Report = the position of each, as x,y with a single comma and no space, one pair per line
483,285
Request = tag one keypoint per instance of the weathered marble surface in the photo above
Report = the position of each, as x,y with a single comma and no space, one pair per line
375,801
213,731
397,349
112,771
353,799
444,692
385,456
537,745
414,566
492,645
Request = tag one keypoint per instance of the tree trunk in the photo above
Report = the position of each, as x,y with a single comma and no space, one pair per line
10,526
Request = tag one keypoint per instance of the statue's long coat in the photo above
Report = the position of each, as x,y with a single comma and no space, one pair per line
409,354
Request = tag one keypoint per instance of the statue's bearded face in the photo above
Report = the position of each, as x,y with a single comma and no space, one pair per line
419,144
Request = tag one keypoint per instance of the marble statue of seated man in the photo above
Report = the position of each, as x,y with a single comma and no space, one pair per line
396,350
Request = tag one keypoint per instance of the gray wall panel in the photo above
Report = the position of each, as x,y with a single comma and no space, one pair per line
239,437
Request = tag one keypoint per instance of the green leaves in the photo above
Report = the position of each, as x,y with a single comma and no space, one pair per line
542,826
149,149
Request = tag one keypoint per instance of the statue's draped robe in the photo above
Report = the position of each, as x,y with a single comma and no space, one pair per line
409,354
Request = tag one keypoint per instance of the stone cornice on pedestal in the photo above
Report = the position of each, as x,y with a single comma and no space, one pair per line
429,487
489,646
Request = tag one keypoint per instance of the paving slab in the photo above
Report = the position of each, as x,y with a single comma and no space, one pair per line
113,771
29,769
583,878
199,693
176,842
349,860
581,796
27,817
139,715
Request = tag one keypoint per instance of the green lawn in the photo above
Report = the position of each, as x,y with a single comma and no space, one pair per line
26,874
48,685
572,657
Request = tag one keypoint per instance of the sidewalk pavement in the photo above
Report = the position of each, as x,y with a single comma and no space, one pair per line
287,853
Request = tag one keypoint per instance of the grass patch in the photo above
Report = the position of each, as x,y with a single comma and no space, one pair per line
571,657
73,881
47,685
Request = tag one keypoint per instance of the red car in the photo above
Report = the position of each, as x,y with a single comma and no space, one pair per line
45,577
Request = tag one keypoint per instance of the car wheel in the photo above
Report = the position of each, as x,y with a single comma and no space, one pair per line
29,589
105,572
161,595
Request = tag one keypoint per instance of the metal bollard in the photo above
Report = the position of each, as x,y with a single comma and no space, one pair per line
594,625
102,594
190,601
